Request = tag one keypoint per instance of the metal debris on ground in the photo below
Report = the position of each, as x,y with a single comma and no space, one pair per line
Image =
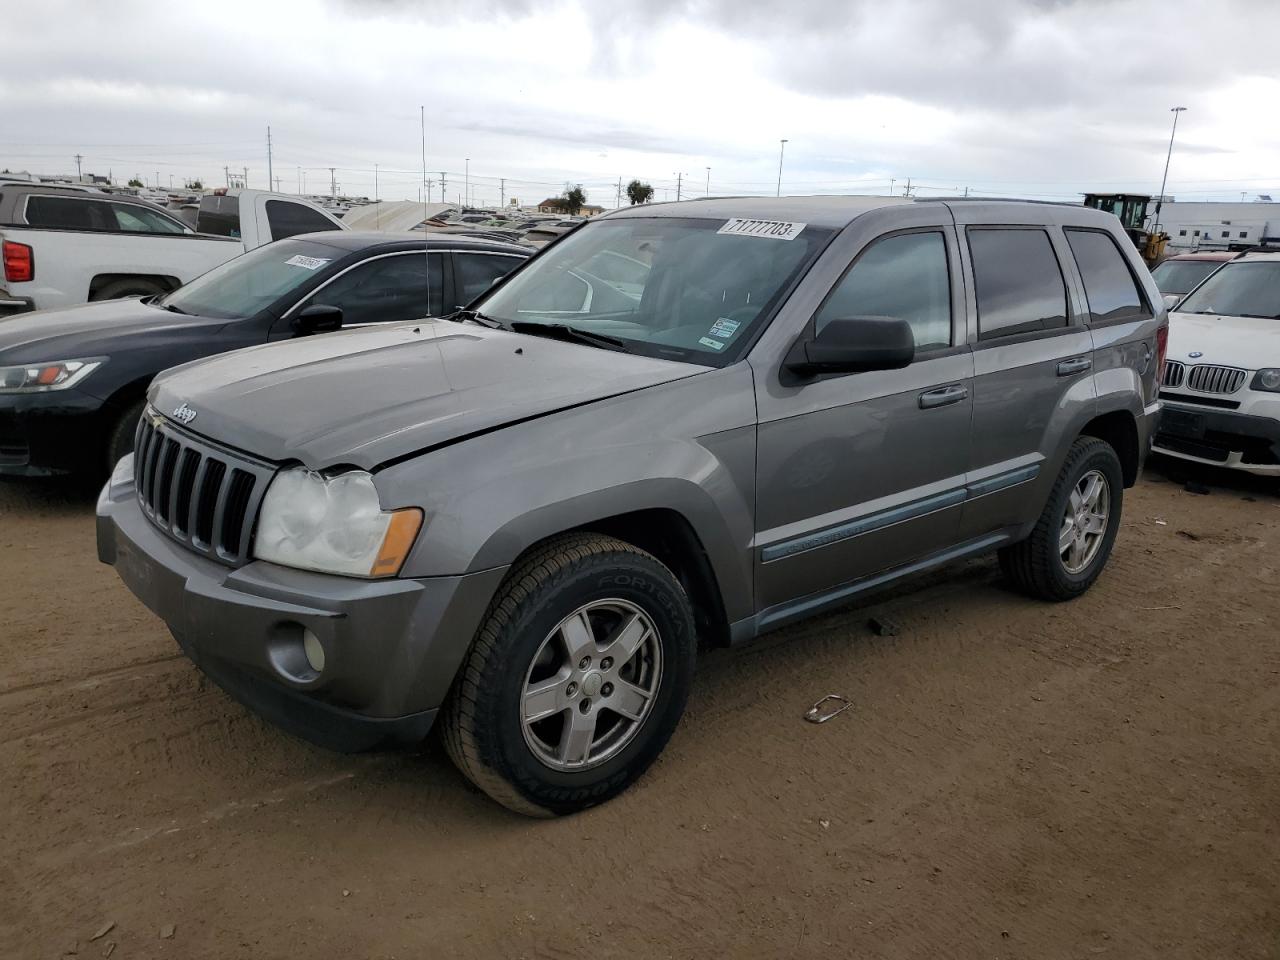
104,930
832,705
882,627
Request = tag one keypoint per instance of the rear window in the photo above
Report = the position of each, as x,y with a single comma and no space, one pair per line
68,213
288,219
219,216
1017,280
1108,284
1181,276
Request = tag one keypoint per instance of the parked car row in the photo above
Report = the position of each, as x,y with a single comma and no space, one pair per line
66,245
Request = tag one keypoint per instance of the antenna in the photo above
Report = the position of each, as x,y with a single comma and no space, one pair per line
270,177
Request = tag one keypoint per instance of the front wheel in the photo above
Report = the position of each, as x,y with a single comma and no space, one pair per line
1073,538
576,679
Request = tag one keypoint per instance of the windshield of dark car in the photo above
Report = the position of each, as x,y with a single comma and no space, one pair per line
1245,288
686,289
249,283
1179,276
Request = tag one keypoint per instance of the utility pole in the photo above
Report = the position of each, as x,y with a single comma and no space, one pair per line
226,172
79,175
245,182
679,181
618,200
966,193
1164,181
443,183
375,183
467,189
782,146
333,184
270,174
708,181
502,192
907,191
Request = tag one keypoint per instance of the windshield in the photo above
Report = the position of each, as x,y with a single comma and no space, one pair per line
1248,288
666,287
1179,276
251,282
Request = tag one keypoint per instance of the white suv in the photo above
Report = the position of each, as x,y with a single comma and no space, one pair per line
1221,387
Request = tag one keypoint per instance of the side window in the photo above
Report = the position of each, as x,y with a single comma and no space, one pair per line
67,213
1017,280
1108,284
385,290
288,219
135,219
904,276
475,273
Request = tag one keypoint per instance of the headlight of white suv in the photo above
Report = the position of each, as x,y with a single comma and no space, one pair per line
1267,379
333,525
52,375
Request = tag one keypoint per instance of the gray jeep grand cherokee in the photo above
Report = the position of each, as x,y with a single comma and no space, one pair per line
683,423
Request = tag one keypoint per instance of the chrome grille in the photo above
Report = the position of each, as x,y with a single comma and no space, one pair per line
199,493
1212,379
1173,373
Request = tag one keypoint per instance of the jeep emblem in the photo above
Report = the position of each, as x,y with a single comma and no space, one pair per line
184,414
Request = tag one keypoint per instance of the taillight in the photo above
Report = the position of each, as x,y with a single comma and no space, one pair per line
1162,348
19,264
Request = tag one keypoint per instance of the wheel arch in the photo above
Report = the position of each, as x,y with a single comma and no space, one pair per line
1119,430
103,280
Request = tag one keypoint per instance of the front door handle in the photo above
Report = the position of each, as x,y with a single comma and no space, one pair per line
943,396
1068,368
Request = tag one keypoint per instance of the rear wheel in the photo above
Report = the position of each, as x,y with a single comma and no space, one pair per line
577,677
1073,538
128,288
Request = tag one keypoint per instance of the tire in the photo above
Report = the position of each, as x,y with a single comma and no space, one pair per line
120,443
529,767
1037,566
127,288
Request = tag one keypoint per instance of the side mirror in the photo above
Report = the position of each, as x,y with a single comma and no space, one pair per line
1171,300
318,318
855,344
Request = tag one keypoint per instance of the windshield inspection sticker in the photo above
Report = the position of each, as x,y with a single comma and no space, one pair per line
310,263
713,344
724,328
768,229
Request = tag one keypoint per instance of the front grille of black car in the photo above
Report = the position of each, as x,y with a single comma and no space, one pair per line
197,492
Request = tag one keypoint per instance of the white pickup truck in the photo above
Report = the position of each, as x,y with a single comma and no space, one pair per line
64,246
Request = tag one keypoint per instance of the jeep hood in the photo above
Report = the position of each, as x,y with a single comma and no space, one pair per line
1245,342
366,397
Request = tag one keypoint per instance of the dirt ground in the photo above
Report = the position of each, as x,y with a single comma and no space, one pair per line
1100,778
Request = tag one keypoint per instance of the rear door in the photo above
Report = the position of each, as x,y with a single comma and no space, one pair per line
1033,358
862,472
475,271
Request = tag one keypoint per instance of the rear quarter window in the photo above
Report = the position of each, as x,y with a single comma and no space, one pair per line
1109,285
68,213
288,219
1018,281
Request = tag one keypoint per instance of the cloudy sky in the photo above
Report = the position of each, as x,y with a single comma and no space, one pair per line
1038,98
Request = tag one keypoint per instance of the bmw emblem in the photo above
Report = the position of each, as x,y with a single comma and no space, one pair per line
1195,354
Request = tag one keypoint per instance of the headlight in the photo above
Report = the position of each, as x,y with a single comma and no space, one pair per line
1267,379
54,375
333,525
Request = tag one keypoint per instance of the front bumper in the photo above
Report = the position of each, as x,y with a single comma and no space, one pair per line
391,647
1221,438
51,433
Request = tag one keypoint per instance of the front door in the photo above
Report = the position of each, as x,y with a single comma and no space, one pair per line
859,473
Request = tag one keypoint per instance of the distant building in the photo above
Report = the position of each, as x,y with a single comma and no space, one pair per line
557,205
1207,225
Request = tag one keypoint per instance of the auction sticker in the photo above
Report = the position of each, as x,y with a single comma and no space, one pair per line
713,344
310,263
724,328
768,229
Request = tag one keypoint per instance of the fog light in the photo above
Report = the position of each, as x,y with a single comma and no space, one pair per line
313,650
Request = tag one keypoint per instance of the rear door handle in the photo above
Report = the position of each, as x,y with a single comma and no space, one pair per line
943,396
1073,366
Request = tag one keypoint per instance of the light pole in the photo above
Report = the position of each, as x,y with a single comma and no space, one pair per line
708,181
467,188
782,146
1165,179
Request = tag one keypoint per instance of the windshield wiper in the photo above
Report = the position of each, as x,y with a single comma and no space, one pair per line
562,331
474,316
172,309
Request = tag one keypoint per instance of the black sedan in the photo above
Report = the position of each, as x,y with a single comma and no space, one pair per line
72,381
